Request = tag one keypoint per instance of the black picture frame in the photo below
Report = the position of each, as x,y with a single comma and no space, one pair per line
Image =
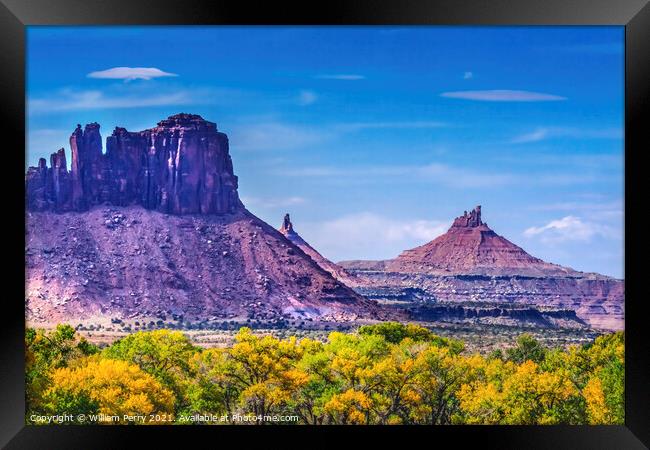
634,15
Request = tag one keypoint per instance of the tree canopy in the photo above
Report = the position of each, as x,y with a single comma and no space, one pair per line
387,373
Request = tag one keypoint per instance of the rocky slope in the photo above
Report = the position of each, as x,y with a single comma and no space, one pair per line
154,229
471,247
472,263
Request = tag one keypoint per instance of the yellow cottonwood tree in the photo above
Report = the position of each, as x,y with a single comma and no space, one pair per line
349,408
106,386
264,369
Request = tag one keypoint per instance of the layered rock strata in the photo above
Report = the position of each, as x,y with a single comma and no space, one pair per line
470,262
181,166
154,229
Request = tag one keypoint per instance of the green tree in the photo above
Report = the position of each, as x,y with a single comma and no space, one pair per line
164,354
211,390
45,351
395,332
527,349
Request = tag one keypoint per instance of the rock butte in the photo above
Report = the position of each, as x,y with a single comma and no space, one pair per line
99,245
182,166
471,247
471,263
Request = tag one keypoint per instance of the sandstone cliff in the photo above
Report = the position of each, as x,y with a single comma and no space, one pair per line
181,166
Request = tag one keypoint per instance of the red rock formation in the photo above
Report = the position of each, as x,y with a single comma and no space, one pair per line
471,247
181,166
471,220
471,263
36,187
124,261
287,226
60,184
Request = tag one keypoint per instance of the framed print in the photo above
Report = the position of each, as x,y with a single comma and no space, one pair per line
377,219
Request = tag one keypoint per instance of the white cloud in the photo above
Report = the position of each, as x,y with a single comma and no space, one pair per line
590,207
503,95
468,76
131,73
307,98
367,235
345,77
436,173
278,135
540,134
570,228
457,176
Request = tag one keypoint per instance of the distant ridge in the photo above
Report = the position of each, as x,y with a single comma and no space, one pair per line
472,263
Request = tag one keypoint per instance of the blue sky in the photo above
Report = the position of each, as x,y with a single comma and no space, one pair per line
373,138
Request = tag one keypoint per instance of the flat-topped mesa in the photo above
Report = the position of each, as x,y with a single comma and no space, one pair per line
181,166
187,122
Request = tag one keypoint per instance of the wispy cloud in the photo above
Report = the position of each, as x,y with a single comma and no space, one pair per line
131,73
69,100
273,202
543,133
275,136
280,135
604,210
534,136
307,98
577,162
344,77
571,228
503,95
357,126
468,76
457,176
123,97
355,236
436,173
